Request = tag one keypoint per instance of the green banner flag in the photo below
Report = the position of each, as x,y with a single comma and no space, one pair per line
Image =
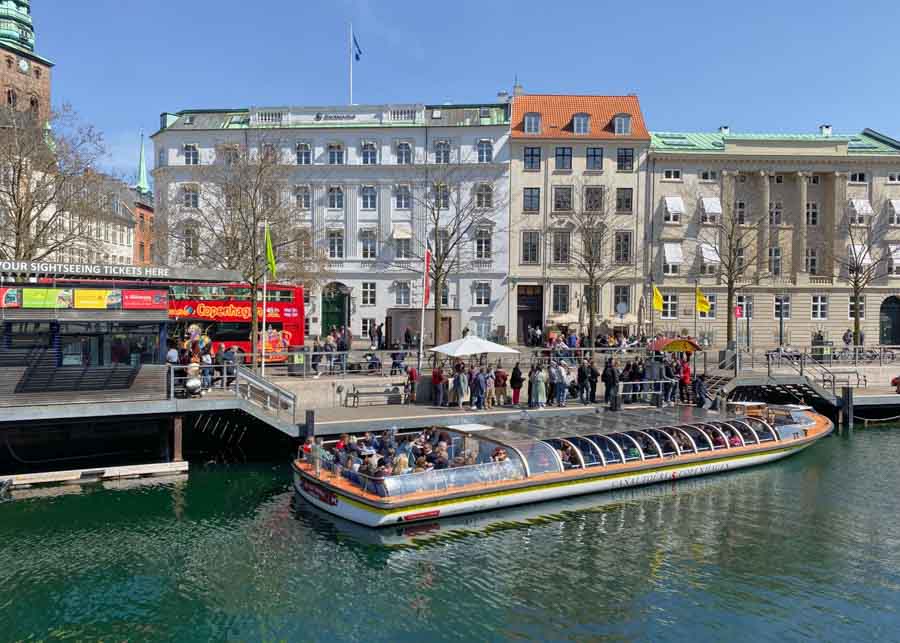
270,253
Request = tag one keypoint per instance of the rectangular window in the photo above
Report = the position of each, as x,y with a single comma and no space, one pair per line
191,155
532,123
594,159
593,199
191,197
402,293
622,246
740,212
483,244
403,248
560,302
812,261
581,124
368,324
775,261
369,154
624,203
483,293
336,198
893,177
304,154
782,307
776,208
778,179
562,198
669,307
621,295
563,158
302,197
532,158
814,179
712,308
404,154
745,304
485,151
403,197
671,269
625,159
857,177
812,213
442,152
709,176
672,175
368,293
819,307
369,197
336,244
335,154
531,200
368,244
531,247
442,196
561,247
852,308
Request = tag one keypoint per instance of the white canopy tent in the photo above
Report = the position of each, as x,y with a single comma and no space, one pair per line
472,345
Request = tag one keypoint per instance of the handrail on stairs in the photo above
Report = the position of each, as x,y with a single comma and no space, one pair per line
259,391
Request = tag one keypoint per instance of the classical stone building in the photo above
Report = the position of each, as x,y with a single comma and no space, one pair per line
24,75
362,175
576,162
805,204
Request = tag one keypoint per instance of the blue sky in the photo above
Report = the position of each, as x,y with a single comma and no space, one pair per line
760,66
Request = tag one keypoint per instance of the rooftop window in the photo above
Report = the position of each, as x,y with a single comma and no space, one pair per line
622,125
532,123
581,124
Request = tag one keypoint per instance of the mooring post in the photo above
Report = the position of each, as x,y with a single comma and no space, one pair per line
847,399
164,442
177,436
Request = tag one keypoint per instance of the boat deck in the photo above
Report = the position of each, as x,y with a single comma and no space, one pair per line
621,421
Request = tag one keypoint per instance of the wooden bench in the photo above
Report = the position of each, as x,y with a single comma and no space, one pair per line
384,390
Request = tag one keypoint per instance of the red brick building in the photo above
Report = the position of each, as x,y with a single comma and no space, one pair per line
24,75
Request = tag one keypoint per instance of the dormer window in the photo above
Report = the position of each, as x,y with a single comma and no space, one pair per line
622,125
532,123
581,124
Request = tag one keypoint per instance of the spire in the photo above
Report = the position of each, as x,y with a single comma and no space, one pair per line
143,186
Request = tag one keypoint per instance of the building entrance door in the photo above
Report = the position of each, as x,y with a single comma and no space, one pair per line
890,321
335,306
530,308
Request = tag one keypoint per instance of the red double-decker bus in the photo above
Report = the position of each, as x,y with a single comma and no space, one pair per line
221,313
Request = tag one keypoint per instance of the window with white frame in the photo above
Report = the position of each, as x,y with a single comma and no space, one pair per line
191,154
893,177
622,247
812,261
531,199
303,245
368,242
624,200
562,198
562,244
442,152
782,306
302,197
740,212
335,244
336,198
403,248
402,293
485,151
442,196
672,174
368,293
161,158
894,259
776,209
532,123
857,177
442,243
711,314
369,154
812,213
739,257
775,260
621,295
894,212
581,124
304,154
593,159
445,294
672,258
484,196
709,176
482,293
402,197
820,307
531,247
563,158
368,325
669,306
531,158
622,125
860,209
777,178
369,197
335,154
745,305
191,196
483,244
560,298
404,153
625,159
852,307
710,210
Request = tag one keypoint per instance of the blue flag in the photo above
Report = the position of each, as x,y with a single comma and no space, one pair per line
357,50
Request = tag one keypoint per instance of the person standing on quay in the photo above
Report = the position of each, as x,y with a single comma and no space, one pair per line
538,389
515,382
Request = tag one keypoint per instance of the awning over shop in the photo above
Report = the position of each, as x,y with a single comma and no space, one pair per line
401,231
862,206
711,205
675,204
673,254
709,253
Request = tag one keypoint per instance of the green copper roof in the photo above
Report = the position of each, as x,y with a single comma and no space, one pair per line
143,185
868,142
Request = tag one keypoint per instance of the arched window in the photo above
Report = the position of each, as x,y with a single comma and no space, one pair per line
304,155
335,154
404,154
336,198
442,152
369,154
581,124
33,105
622,124
484,196
11,97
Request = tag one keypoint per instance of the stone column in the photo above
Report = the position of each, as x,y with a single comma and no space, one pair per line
762,258
800,231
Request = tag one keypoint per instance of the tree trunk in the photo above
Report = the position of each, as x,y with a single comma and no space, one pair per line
729,332
856,325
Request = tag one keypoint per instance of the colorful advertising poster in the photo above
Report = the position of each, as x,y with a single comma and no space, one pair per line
145,300
238,311
10,297
92,299
47,298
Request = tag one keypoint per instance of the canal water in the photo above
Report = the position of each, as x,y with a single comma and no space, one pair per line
804,549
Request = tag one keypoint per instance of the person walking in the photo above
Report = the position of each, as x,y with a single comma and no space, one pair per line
515,382
684,383
583,377
610,378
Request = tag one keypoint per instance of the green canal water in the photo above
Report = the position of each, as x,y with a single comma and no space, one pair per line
804,549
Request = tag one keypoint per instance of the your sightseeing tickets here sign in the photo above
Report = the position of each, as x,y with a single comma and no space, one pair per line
84,269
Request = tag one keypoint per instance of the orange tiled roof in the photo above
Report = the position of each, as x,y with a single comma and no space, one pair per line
557,111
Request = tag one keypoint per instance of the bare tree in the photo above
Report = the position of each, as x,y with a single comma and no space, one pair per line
50,193
218,220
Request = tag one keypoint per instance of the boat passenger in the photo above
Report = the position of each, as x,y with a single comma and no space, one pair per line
734,440
342,443
632,452
421,465
401,464
717,440
306,449
441,459
499,455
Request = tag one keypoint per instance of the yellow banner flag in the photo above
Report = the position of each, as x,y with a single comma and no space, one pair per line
703,305
657,299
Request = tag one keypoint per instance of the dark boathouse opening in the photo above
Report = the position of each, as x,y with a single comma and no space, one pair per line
890,321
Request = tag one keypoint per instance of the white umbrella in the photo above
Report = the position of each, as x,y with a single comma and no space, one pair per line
471,345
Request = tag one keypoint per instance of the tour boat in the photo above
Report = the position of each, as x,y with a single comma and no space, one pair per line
535,459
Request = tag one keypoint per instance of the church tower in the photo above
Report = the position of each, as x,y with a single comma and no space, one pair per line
24,76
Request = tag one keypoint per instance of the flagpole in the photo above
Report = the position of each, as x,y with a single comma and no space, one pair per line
422,315
696,305
265,303
350,49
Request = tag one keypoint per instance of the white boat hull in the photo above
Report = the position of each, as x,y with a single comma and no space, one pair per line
350,509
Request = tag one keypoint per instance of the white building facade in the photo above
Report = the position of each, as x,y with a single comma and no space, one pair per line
361,175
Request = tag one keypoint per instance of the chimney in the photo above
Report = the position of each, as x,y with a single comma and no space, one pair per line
825,130
724,130
502,96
